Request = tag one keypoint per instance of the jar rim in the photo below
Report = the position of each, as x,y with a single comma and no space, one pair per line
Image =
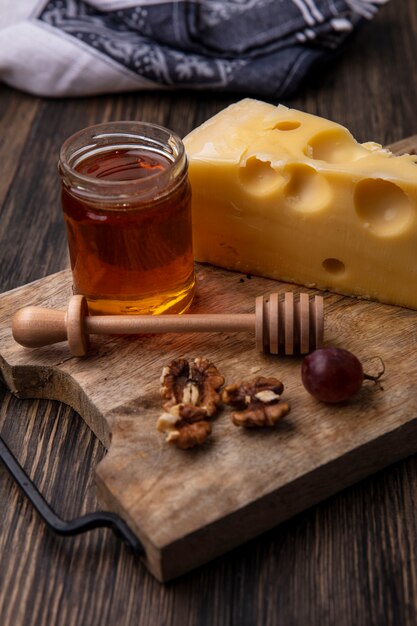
107,135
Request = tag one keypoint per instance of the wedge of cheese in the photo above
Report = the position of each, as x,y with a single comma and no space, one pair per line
291,196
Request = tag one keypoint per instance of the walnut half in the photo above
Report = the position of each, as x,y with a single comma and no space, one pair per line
258,401
182,433
191,394
197,385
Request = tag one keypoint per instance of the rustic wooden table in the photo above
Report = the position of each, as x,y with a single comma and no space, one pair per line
349,560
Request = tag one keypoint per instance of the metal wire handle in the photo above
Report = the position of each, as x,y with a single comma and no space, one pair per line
98,519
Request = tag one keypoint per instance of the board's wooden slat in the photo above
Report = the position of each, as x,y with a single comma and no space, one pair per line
16,115
407,145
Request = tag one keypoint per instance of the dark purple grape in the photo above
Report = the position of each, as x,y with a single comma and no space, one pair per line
332,374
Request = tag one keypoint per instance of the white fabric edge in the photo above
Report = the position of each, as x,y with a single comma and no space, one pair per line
26,50
115,5
12,11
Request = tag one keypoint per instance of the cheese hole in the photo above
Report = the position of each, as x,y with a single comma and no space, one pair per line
383,207
307,190
334,146
287,125
334,266
259,177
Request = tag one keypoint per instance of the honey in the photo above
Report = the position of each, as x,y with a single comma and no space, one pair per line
127,209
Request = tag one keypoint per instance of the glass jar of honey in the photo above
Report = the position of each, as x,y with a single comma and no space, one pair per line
127,207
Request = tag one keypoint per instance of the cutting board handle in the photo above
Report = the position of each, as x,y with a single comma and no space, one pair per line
98,519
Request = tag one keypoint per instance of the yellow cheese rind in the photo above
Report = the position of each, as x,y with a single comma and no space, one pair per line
292,196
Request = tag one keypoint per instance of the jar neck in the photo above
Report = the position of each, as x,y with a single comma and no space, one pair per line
107,138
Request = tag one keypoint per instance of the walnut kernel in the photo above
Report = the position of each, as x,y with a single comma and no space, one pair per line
191,394
195,385
258,402
259,415
189,435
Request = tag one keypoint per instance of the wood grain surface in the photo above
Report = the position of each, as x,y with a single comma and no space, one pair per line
189,507
349,560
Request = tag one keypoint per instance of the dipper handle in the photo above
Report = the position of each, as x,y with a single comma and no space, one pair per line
34,326
285,325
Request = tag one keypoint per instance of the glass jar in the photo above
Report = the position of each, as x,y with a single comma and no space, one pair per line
127,207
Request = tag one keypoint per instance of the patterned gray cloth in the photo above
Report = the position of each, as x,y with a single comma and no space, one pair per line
261,47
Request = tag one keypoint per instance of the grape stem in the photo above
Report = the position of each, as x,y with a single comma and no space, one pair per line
376,379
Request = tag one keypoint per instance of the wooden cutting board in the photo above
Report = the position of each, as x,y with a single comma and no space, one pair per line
189,506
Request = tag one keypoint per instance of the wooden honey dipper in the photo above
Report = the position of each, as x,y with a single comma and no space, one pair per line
282,325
